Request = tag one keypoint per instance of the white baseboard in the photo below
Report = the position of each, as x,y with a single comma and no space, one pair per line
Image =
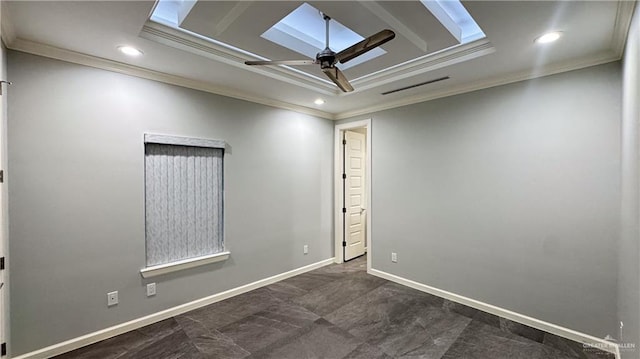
107,333
504,313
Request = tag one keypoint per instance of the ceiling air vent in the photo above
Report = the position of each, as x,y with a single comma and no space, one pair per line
416,85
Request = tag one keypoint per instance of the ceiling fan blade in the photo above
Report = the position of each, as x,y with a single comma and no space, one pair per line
365,45
281,62
338,78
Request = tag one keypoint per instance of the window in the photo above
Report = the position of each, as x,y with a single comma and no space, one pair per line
183,203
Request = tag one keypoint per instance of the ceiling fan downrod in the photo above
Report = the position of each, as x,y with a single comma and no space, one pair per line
326,29
326,58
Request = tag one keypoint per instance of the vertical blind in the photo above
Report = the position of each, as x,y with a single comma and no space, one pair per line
183,187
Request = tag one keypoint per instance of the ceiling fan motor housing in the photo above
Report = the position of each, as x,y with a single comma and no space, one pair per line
326,58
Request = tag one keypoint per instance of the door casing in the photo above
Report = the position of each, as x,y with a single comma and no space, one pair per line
338,253
4,274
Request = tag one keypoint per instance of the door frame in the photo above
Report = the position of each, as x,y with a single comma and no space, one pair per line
4,209
337,188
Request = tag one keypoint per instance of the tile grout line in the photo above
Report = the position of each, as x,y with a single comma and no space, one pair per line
283,316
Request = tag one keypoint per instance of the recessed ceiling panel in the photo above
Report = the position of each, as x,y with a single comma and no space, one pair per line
241,24
89,32
304,32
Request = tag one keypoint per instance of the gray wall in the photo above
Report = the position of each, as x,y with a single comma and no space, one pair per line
508,195
629,275
77,194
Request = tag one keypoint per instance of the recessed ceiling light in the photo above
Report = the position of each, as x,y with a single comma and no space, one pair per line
130,51
319,101
548,37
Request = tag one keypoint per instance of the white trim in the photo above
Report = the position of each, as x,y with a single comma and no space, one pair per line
621,28
8,33
230,17
337,175
107,333
109,65
506,79
501,312
4,209
424,64
185,41
183,141
395,24
367,182
444,58
161,269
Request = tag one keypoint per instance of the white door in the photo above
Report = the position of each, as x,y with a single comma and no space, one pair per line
354,229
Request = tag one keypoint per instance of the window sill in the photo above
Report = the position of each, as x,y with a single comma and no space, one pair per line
161,269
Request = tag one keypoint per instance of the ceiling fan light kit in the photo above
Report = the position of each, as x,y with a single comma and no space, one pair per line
327,58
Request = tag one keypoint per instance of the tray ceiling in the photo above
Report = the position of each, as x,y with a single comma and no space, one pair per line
193,54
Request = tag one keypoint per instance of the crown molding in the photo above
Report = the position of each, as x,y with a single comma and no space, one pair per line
189,42
109,65
431,62
427,63
624,15
8,32
595,60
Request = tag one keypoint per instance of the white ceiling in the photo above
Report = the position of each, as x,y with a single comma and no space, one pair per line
417,26
88,32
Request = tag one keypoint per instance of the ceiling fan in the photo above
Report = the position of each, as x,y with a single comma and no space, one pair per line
327,58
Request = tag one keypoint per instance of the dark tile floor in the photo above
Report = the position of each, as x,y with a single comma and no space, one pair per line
336,312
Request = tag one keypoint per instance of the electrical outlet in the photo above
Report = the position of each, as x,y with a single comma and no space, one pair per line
305,249
394,257
112,298
151,289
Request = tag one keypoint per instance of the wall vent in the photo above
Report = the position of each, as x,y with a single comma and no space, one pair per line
416,85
